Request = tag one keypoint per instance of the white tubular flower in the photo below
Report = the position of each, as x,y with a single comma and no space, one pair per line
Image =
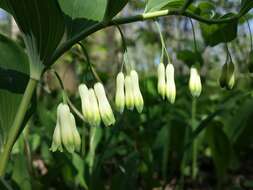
56,143
195,83
77,138
95,119
105,109
138,99
129,98
170,84
120,93
66,127
161,85
84,94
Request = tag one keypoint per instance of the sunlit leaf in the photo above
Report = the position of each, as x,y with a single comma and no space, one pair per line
156,5
81,14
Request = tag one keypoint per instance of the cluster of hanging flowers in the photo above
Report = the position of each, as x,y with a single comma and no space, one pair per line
96,108
65,134
95,105
128,92
166,82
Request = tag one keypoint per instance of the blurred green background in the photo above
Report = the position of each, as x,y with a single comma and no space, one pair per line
151,150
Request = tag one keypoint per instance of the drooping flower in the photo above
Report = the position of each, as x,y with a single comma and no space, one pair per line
129,98
95,119
56,143
120,93
138,99
170,83
105,109
195,82
227,78
66,128
84,94
77,138
161,85
65,132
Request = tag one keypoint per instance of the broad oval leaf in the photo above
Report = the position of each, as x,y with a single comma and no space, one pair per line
14,69
81,14
42,24
217,33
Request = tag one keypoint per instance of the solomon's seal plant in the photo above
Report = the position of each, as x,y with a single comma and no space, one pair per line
50,28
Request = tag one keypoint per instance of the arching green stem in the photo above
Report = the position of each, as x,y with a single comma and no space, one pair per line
141,17
15,128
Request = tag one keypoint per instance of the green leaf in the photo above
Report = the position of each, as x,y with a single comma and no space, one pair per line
42,24
246,5
190,58
156,5
220,148
218,33
237,124
204,9
81,14
14,68
114,7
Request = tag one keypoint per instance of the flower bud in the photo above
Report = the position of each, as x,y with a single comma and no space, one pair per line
77,138
170,83
84,94
129,98
66,127
161,86
227,78
195,82
138,99
56,144
120,94
105,109
94,120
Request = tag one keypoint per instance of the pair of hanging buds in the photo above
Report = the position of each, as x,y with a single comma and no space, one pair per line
195,82
95,105
227,78
128,92
65,132
166,83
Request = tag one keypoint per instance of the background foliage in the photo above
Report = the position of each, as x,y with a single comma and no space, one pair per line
152,150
